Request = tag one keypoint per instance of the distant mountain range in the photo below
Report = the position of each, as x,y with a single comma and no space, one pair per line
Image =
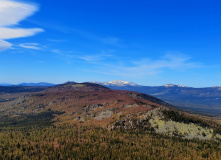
37,84
203,100
116,83
5,84
45,84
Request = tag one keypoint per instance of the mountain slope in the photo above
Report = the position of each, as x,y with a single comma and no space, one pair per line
201,100
82,100
93,104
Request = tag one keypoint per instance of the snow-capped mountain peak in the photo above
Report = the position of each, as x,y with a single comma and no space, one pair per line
121,83
116,83
173,85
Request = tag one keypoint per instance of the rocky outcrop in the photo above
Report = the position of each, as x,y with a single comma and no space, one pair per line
158,121
104,114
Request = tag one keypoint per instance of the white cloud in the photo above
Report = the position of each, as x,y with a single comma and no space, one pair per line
4,45
30,46
10,33
11,13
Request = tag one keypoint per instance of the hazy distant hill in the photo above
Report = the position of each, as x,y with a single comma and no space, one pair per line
37,84
45,84
202,100
20,89
5,84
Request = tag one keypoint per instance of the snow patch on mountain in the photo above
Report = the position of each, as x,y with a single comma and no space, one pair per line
173,85
116,83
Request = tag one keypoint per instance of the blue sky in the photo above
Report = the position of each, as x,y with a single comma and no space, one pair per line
147,42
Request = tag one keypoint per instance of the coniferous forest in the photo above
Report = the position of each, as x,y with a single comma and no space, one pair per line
90,142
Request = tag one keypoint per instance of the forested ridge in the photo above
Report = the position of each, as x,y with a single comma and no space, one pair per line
90,142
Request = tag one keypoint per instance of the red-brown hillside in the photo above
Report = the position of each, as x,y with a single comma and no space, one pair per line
84,103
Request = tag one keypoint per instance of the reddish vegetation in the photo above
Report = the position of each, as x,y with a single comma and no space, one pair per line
86,103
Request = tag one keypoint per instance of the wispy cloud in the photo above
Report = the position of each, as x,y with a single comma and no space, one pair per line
101,38
65,53
105,39
110,40
11,13
4,45
146,66
110,64
11,33
94,57
71,55
67,56
57,40
30,46
170,61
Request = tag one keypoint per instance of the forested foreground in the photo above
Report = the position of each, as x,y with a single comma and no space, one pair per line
83,142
